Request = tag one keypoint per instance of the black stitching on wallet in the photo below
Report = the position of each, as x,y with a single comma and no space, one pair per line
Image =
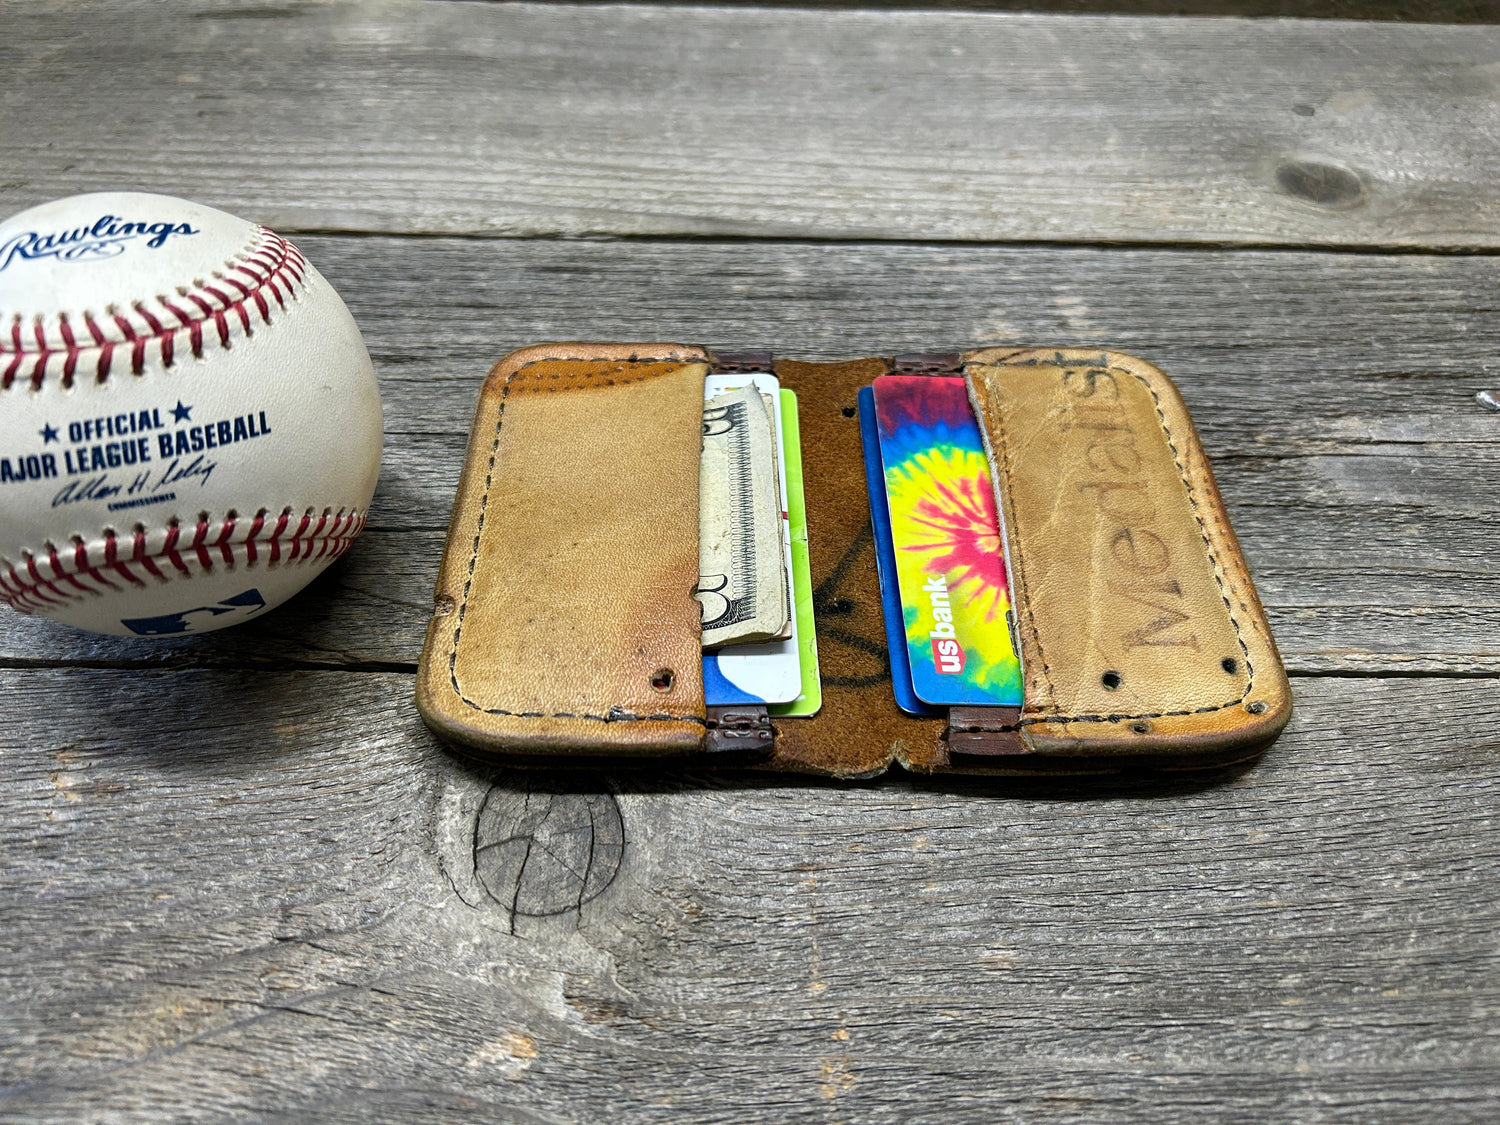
615,714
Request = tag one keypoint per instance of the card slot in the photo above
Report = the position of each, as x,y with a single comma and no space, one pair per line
566,622
1140,631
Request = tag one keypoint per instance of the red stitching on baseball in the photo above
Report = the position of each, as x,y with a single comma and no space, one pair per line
81,561
156,325
39,582
112,561
276,536
260,522
33,591
72,581
273,263
169,549
197,547
223,541
140,558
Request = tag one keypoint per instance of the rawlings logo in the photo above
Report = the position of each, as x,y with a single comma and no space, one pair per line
104,239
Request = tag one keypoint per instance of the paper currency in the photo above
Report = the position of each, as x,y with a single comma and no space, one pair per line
742,568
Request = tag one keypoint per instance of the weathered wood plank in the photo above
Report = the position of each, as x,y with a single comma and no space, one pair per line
556,119
1359,470
1418,11
249,896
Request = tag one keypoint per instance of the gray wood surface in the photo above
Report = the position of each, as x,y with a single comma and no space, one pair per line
239,881
1415,11
566,120
336,921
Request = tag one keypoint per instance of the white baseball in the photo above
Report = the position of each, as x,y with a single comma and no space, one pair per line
189,422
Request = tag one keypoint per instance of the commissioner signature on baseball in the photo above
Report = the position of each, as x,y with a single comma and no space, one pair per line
142,490
104,238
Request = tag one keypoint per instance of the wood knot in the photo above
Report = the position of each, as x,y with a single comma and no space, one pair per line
539,853
1327,185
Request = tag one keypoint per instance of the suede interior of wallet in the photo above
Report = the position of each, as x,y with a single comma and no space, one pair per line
565,624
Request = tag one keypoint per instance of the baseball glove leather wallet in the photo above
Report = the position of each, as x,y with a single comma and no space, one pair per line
565,628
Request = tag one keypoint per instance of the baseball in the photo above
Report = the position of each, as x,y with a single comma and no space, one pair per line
189,422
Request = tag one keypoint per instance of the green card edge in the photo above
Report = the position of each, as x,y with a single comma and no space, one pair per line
810,701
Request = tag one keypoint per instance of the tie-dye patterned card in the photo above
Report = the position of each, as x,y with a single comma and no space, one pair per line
885,562
950,562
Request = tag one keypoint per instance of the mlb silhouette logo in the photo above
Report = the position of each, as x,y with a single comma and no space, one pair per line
192,620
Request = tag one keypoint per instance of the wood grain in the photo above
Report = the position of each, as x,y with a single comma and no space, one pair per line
1338,409
1417,11
534,119
240,881
204,919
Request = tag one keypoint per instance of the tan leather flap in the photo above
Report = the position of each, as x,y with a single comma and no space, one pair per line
1139,624
565,618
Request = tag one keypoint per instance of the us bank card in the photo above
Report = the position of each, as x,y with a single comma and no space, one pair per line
885,562
945,537
772,672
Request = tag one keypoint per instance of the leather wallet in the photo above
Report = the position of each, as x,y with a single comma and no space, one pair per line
565,628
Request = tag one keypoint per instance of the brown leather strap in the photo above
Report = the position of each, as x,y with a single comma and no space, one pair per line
984,732
739,728
928,363
741,363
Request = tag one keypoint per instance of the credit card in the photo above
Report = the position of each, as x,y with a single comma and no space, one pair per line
885,562
810,700
770,672
945,535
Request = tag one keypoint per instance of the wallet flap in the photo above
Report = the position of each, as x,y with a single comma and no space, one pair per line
565,617
1138,623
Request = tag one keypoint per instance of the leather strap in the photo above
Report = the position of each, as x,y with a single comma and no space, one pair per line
739,729
741,363
928,363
